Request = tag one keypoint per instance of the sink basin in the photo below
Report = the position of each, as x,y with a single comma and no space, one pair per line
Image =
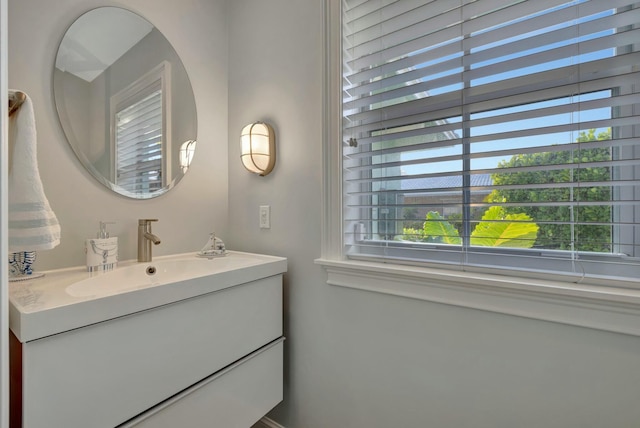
157,272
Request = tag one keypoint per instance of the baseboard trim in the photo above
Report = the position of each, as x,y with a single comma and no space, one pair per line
267,423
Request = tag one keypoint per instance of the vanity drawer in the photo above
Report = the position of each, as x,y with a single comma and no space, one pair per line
107,373
237,397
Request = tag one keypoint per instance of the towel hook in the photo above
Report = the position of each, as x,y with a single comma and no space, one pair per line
16,99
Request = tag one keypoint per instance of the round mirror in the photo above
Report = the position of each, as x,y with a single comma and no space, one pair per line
125,102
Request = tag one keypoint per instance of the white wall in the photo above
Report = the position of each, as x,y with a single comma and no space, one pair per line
197,30
359,359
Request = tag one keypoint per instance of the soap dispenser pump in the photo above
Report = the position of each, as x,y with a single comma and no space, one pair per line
102,252
102,233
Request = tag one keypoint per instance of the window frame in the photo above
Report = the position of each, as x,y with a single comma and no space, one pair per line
160,76
611,307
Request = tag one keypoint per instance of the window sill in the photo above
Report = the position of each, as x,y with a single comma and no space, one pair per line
598,307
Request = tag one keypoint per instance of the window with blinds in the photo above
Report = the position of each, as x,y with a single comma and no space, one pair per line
139,145
493,133
140,134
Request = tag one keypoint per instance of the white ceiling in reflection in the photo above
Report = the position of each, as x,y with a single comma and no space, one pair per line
93,43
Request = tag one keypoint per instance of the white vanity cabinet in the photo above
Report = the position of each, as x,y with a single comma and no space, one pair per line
210,360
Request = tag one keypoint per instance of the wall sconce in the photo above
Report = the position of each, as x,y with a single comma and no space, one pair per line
187,149
258,143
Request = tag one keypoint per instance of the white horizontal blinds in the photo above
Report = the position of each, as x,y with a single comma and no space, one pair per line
511,125
139,144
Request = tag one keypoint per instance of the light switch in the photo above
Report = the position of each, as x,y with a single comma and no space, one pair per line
265,217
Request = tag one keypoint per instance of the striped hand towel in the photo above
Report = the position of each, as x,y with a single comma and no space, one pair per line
32,223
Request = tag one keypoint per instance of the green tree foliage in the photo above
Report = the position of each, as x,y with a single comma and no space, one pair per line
437,229
411,218
556,230
497,229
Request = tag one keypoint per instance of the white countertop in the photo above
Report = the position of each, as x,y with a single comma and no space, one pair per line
43,306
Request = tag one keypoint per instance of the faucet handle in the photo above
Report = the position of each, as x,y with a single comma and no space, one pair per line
145,221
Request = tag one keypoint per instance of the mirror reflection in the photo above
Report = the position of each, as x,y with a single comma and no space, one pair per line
125,102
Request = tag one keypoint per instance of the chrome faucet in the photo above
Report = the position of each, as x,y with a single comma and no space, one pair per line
145,238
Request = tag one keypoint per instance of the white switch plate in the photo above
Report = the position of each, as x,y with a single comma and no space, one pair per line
265,217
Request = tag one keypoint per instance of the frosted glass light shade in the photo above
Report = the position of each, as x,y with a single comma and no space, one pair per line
187,150
258,145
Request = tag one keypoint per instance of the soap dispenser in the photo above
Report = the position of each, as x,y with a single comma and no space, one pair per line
102,252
